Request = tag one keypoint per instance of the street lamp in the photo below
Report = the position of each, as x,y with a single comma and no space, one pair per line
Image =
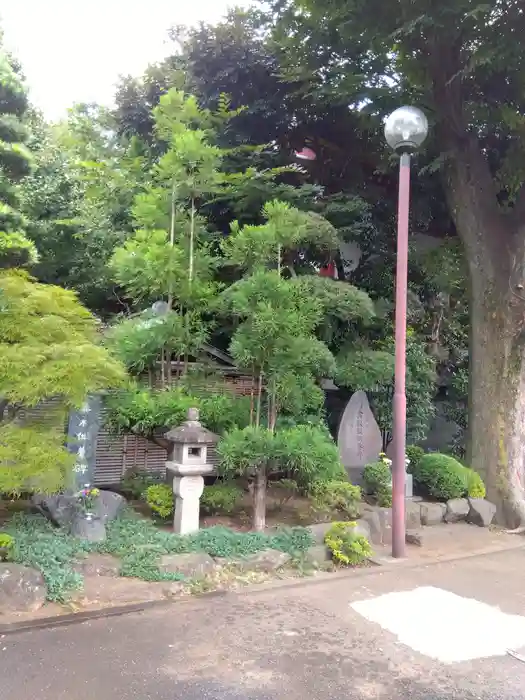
405,131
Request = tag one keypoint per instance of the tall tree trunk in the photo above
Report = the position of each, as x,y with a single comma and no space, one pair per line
259,500
495,249
497,396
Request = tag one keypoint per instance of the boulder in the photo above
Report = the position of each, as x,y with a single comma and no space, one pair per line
319,531
371,517
457,510
61,508
363,528
92,530
414,537
318,555
412,515
267,561
193,565
21,589
99,565
385,519
64,509
432,513
481,512
108,505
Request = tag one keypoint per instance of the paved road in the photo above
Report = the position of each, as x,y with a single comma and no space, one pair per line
288,644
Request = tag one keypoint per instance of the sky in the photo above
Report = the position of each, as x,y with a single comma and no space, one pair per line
77,55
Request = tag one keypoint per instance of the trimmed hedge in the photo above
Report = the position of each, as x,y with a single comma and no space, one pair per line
442,477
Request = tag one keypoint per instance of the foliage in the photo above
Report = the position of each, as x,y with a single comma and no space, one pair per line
7,543
220,498
440,476
377,478
347,548
331,496
475,485
139,545
159,498
146,411
286,490
414,455
48,349
136,481
305,452
15,163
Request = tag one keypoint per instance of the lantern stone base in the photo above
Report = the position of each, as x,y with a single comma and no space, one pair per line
188,485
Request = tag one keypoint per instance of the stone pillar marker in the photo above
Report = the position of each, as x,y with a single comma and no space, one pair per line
186,466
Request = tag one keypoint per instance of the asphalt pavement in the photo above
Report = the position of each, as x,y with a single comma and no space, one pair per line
289,643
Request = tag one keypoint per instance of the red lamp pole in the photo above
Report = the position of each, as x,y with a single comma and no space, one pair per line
400,401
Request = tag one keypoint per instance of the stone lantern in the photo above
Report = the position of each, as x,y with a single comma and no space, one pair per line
186,466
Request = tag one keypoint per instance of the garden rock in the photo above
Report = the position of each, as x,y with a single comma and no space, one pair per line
371,517
61,509
414,537
194,565
481,512
319,531
412,515
266,561
21,589
362,528
457,510
108,505
92,530
318,555
99,565
385,518
432,513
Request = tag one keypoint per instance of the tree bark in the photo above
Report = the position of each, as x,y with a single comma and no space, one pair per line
259,500
495,248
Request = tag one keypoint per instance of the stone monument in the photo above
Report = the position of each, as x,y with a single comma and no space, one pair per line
358,438
186,466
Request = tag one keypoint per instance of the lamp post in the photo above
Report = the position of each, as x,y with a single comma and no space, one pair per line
405,131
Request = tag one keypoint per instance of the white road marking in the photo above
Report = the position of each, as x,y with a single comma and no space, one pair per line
443,625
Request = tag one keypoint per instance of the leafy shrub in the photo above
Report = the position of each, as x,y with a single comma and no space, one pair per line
6,546
305,451
159,498
347,548
475,486
145,411
441,476
136,481
339,496
220,498
377,476
415,454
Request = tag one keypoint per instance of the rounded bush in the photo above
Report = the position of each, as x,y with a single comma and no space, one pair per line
377,477
6,546
159,498
441,476
475,486
415,454
339,496
347,548
220,498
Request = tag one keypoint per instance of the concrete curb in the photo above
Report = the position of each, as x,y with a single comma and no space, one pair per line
378,565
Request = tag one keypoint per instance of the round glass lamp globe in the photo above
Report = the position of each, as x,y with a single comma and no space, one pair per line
406,129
